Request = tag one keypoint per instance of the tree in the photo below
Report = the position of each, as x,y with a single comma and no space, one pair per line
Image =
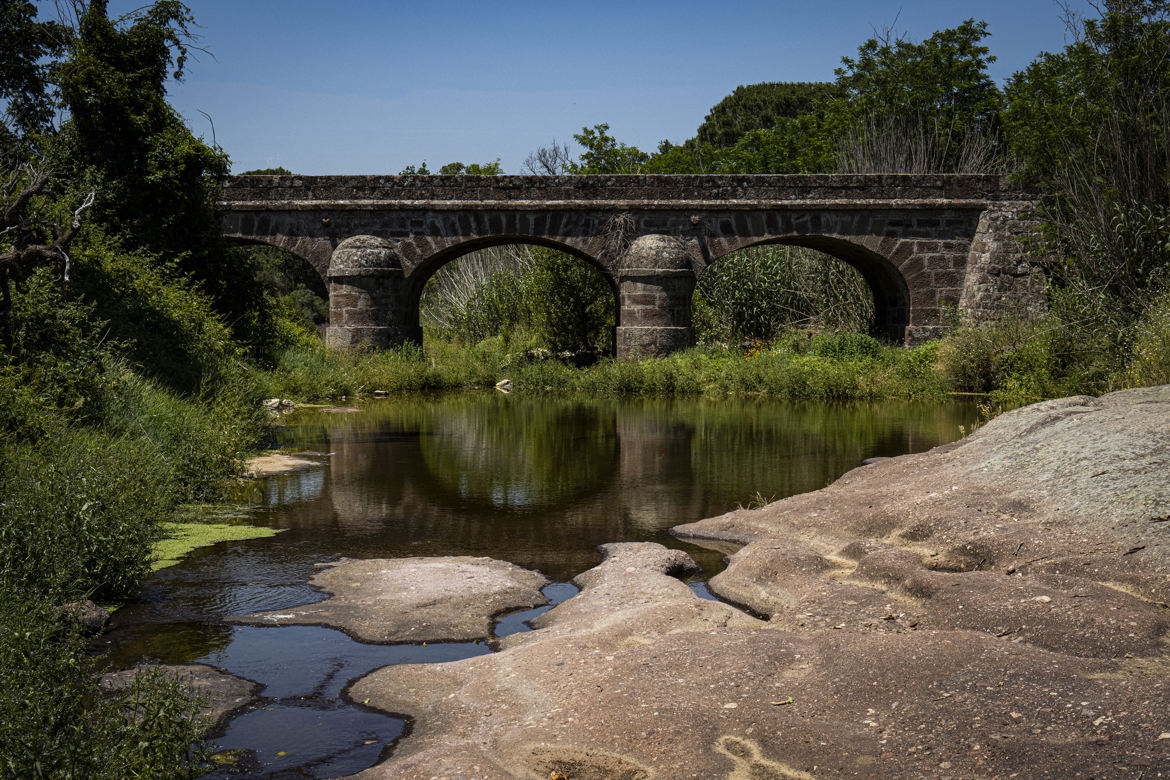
793,145
1091,127
551,160
942,84
31,234
278,171
759,107
603,153
571,302
156,182
28,50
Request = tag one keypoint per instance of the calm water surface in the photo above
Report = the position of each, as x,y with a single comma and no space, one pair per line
538,481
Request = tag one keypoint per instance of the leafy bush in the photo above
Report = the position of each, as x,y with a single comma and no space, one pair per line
1148,361
168,325
57,725
79,513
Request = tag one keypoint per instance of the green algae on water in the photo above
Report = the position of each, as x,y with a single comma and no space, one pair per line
182,538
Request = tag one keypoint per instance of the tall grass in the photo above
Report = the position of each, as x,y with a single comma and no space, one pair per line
800,365
762,292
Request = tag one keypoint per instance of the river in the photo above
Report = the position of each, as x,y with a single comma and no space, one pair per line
536,480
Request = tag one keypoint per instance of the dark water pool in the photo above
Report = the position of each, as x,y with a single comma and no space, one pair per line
537,481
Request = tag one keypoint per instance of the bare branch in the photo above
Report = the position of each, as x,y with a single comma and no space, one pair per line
550,160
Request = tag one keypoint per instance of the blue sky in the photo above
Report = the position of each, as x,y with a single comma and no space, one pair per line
356,86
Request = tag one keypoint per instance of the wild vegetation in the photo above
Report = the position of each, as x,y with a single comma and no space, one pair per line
135,345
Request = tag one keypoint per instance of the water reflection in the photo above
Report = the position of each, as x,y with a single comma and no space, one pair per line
541,481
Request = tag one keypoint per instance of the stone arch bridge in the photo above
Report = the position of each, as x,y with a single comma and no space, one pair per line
924,244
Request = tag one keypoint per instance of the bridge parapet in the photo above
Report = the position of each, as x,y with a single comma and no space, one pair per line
261,193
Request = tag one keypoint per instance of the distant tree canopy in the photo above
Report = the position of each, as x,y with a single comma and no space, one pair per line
278,171
474,169
492,168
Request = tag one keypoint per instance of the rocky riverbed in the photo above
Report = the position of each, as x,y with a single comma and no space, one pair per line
997,607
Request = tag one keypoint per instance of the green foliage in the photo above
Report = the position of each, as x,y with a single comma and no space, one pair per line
79,514
166,321
27,47
1101,102
54,363
155,183
572,304
277,171
1090,125
1019,360
760,107
793,145
848,346
56,724
943,82
1148,361
294,287
498,307
604,154
475,169
936,94
126,142
798,366
687,158
756,294
558,300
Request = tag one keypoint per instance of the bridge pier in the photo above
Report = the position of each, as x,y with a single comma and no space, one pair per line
656,279
367,303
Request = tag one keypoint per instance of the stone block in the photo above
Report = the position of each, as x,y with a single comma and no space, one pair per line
635,342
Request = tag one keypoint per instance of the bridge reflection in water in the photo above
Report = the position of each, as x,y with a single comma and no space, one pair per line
542,481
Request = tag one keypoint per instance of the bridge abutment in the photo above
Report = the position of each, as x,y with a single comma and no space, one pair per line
656,279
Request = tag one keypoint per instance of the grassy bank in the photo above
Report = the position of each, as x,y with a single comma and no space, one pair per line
1012,362
101,445
798,366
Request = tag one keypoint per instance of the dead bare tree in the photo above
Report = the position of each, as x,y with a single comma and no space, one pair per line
551,160
28,241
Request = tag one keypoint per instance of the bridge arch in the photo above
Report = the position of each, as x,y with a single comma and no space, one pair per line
459,247
455,250
891,293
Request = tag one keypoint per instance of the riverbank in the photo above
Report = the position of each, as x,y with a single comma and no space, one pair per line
994,606
842,366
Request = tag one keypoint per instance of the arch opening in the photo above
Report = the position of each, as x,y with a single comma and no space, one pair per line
811,283
289,278
529,294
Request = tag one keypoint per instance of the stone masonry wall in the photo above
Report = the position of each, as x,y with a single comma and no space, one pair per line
1001,276
924,244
